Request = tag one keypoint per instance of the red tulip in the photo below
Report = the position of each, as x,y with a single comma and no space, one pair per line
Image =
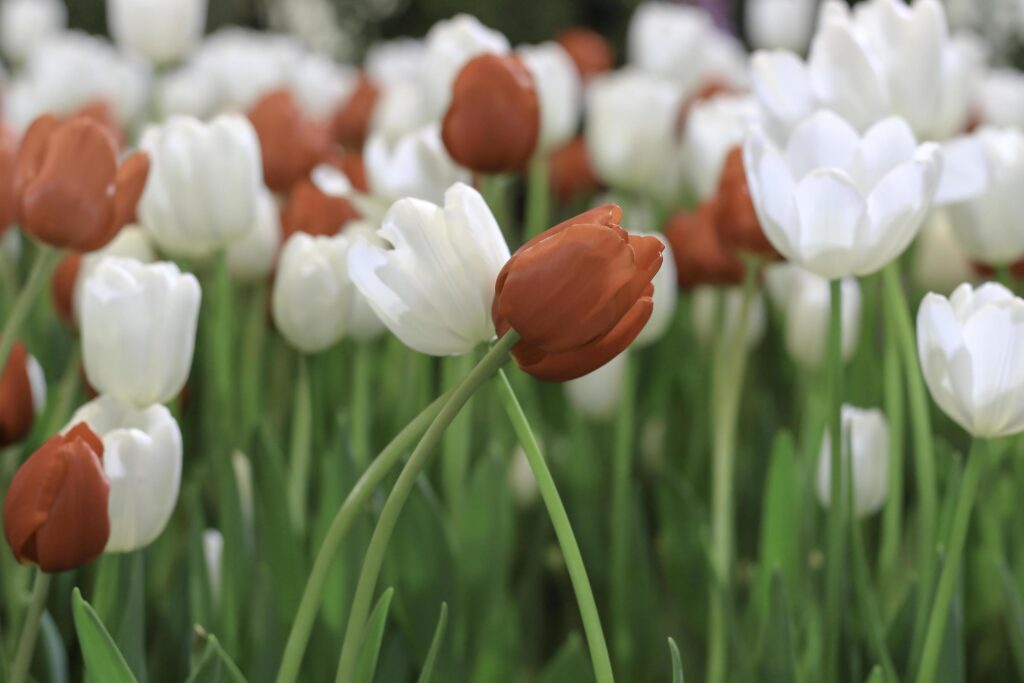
292,145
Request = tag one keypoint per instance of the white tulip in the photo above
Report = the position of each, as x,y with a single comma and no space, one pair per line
939,262
253,256
131,242
139,329
666,292
320,84
721,308
314,301
837,203
866,434
36,383
451,43
204,183
559,91
1000,98
971,348
24,24
142,457
780,24
713,128
631,132
162,30
213,555
401,110
415,165
395,61
989,225
188,91
435,287
598,394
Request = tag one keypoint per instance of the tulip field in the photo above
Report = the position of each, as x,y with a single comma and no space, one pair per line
686,347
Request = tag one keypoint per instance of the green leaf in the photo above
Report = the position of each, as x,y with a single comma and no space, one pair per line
1014,613
131,626
213,665
366,665
677,662
103,661
780,544
876,676
435,645
570,664
779,662
54,654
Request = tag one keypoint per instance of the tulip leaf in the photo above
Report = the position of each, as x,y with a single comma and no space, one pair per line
213,665
779,662
366,665
569,664
435,645
130,631
54,653
103,661
876,676
1014,611
677,662
780,548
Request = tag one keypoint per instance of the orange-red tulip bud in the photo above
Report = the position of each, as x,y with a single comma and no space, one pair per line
700,257
69,190
310,210
571,173
493,121
736,219
17,409
291,144
591,52
577,294
62,287
351,123
55,511
8,156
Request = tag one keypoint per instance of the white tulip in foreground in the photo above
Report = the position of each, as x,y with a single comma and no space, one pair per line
971,347
414,165
838,203
666,293
315,303
866,435
434,287
204,183
139,329
252,257
708,305
132,242
559,91
142,454
599,393
24,24
161,30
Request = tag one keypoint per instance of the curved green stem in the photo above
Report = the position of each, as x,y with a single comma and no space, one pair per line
301,445
563,530
46,260
360,404
834,578
30,630
625,430
374,560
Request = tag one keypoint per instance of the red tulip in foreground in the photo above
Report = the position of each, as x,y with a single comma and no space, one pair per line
578,294
55,511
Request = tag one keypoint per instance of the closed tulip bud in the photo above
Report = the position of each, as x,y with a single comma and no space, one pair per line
311,210
291,144
559,92
70,191
434,288
493,122
739,229
24,24
666,293
22,395
571,173
939,263
865,438
971,348
598,394
351,123
142,454
696,245
162,30
315,303
718,314
590,51
203,188
55,511
139,329
578,294
414,165
8,158
252,257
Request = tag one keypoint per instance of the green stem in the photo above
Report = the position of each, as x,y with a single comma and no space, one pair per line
46,260
563,530
251,372
362,376
892,517
834,578
538,196
301,446
494,188
374,559
625,430
456,442
302,626
936,630
30,630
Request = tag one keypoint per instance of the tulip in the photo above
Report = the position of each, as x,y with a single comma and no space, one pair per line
780,24
162,30
971,347
598,394
312,211
213,554
291,145
699,255
395,61
713,127
414,165
351,123
571,174
204,184
939,262
400,110
138,329
578,294
187,91
666,292
559,91
590,51
55,511
434,288
739,230
1000,98
314,302
865,438
24,24
252,257
493,122
8,158
142,453
717,313
846,208
449,45
22,395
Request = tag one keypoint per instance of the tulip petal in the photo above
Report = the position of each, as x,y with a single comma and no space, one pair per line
844,77
886,145
822,141
831,212
945,364
783,86
965,171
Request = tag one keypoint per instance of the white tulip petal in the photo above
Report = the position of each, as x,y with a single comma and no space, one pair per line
831,213
844,78
823,140
965,173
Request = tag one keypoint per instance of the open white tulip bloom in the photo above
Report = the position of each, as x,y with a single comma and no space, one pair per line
142,457
451,43
599,394
559,91
252,257
139,329
435,287
866,435
132,242
631,132
314,302
161,30
204,183
414,165
781,24
988,226
24,24
666,294
971,348
713,128
939,263
837,203
707,309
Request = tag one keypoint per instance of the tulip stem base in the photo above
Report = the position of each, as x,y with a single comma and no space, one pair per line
836,550
45,261
30,629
